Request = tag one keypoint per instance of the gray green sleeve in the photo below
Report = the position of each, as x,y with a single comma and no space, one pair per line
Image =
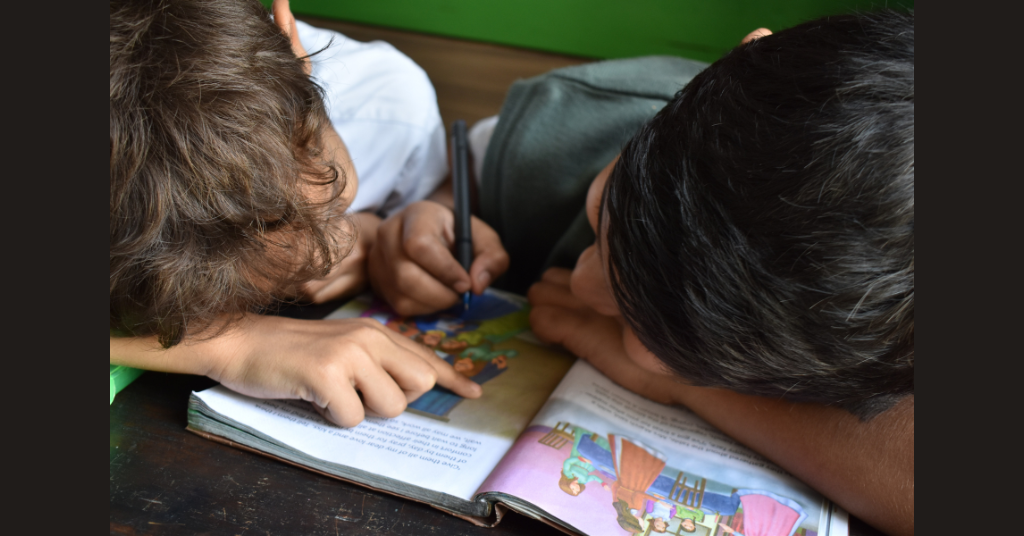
556,132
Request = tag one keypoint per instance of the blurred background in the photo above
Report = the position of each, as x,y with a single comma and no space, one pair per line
697,29
474,49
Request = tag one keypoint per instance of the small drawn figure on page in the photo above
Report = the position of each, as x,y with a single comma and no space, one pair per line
658,525
403,326
626,519
487,365
431,338
688,518
452,346
660,513
655,517
572,486
577,469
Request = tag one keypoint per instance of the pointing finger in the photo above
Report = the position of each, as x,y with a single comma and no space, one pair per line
448,378
445,374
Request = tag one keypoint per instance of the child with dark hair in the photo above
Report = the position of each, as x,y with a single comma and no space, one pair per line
746,248
229,185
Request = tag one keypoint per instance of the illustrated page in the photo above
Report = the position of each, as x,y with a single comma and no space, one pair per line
442,442
610,462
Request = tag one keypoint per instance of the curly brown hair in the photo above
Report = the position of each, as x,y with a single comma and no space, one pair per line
216,140
564,482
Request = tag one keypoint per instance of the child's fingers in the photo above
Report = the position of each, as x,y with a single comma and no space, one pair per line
555,324
412,372
405,285
598,340
324,290
581,331
338,402
433,255
490,258
457,383
381,394
554,294
444,374
427,235
418,292
557,276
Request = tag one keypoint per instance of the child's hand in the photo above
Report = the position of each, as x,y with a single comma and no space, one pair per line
412,266
559,317
326,362
348,276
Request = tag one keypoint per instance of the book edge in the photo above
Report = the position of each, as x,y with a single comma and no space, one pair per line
488,522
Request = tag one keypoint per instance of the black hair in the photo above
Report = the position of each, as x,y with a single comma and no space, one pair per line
761,225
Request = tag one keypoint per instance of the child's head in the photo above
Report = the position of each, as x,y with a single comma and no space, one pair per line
225,191
571,486
760,228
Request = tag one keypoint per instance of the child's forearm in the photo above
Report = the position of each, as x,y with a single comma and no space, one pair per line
866,467
146,353
338,365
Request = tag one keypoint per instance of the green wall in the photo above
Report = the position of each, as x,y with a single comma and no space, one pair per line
699,29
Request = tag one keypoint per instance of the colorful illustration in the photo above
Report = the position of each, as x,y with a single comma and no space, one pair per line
464,338
489,343
577,468
629,488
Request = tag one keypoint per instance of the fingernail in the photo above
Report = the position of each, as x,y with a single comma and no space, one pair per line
462,286
484,278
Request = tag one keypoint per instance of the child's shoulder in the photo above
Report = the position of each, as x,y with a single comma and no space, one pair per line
369,80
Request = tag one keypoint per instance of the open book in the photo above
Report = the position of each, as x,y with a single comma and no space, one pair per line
551,438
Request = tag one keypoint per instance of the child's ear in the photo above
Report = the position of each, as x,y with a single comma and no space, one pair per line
286,22
756,34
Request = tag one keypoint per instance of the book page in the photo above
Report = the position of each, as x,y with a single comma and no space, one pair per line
409,448
608,461
442,443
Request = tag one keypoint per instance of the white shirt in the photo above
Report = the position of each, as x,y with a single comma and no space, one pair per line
384,108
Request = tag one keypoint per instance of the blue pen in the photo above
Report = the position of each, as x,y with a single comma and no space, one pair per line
460,190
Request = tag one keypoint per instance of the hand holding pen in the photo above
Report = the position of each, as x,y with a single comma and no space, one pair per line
417,265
